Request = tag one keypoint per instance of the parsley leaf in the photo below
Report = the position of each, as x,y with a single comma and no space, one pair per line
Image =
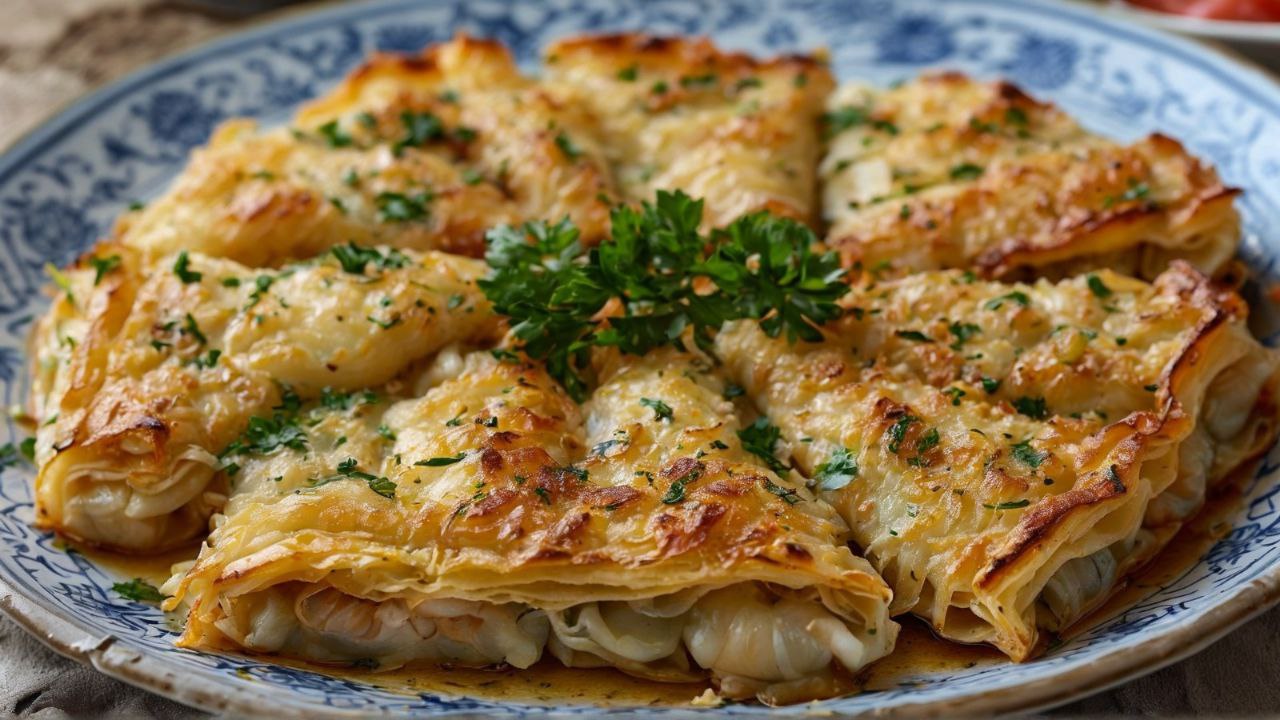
914,335
398,207
966,171
571,151
898,431
838,471
441,461
661,410
1016,296
841,119
1098,288
759,438
1027,455
420,128
962,332
182,268
103,265
354,258
138,590
334,135
788,495
1008,505
760,267
1032,407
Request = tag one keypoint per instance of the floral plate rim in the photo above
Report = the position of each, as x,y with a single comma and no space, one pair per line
81,642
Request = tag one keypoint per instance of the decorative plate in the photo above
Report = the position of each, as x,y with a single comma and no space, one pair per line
62,185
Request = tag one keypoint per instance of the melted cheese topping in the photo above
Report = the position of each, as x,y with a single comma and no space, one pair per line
166,372
381,493
1005,453
680,114
423,152
946,172
492,488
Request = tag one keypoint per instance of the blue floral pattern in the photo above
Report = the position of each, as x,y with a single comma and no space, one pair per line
61,188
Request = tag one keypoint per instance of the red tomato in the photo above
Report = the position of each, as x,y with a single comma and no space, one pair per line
1251,10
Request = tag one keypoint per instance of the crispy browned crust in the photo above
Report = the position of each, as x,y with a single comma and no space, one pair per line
676,52
1052,198
1139,430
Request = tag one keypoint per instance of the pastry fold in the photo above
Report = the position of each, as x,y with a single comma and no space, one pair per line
1006,454
947,172
145,376
491,519
423,151
679,113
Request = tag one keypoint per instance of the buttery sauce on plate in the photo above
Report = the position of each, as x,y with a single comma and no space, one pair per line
918,654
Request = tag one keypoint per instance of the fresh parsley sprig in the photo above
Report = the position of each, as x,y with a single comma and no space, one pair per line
654,278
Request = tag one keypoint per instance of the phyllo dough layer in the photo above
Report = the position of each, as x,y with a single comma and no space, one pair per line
1005,454
144,376
947,172
491,518
423,152
678,113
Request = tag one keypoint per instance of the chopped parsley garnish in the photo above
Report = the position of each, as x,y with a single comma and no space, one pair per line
1032,407
420,128
962,332
928,441
954,393
334,135
1016,296
788,495
349,470
182,268
898,431
190,328
629,73
760,267
759,438
733,390
138,590
966,171
661,410
1027,455
838,471
265,435
354,259
398,207
442,461
695,81
1098,288
914,335
841,119
1016,116
542,494
207,360
386,433
332,400
1150,388
991,385
61,280
571,151
1008,505
103,265
676,492
9,453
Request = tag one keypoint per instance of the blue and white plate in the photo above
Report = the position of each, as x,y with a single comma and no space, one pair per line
61,187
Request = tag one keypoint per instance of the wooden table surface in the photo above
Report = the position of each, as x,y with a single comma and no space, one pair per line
52,51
